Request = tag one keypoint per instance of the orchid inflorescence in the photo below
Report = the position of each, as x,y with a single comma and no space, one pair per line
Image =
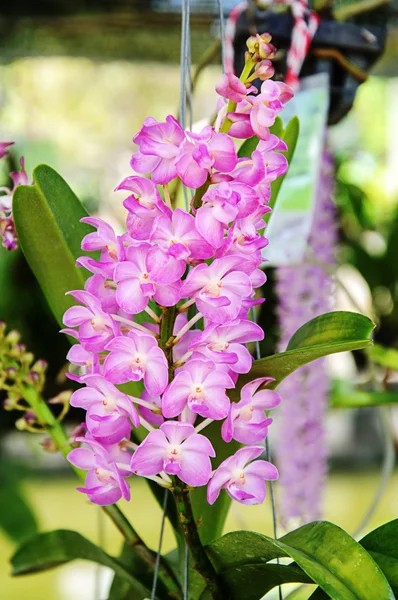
8,234
168,301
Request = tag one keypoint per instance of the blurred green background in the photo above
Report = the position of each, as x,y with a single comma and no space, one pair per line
76,82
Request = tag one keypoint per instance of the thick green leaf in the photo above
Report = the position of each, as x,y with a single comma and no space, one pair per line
248,147
212,517
359,398
382,544
387,357
49,550
290,137
326,553
121,589
47,217
16,517
337,563
327,334
335,327
252,581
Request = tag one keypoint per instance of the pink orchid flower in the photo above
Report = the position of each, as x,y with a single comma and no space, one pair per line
179,238
134,357
225,344
218,289
201,386
96,327
144,206
106,466
103,239
201,153
246,422
147,273
109,411
4,146
231,88
243,482
159,147
275,163
104,290
176,449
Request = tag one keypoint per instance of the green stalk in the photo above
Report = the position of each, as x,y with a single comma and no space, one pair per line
57,433
247,69
189,529
201,563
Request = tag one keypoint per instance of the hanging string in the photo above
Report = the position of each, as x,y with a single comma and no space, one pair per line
267,445
101,544
159,552
185,98
222,34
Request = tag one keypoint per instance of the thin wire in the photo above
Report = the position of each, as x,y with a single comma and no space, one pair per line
268,457
222,33
185,68
386,469
186,572
158,555
101,544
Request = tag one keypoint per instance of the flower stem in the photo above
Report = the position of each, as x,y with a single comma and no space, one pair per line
57,433
202,562
186,328
166,331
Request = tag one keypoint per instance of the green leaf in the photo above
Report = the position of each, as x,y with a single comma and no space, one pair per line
386,357
327,334
252,581
290,137
121,589
382,544
212,517
337,563
359,399
48,550
47,217
338,327
277,127
324,552
16,516
248,147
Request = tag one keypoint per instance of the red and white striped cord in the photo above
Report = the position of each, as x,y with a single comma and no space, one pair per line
306,23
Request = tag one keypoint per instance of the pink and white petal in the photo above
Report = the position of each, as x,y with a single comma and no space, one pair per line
117,368
175,398
250,389
148,458
85,397
83,458
195,468
76,315
168,295
164,171
263,469
219,480
177,431
198,443
245,359
143,163
156,374
244,455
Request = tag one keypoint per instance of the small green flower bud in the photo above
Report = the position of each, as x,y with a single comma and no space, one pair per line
13,337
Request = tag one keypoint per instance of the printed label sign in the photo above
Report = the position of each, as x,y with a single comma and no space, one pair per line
290,223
